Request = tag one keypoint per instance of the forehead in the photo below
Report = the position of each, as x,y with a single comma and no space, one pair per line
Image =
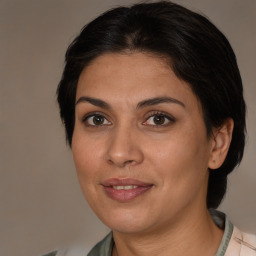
133,77
138,66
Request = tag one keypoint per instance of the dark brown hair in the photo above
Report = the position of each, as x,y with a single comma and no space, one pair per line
198,52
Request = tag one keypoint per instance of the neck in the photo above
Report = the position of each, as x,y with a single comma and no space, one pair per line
196,234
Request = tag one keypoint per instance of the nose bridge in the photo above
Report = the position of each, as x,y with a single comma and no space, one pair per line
123,146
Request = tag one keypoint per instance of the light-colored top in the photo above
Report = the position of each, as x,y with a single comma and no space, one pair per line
233,243
104,247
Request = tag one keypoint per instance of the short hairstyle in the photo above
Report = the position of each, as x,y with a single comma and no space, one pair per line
198,53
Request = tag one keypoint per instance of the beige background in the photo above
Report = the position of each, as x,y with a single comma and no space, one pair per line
41,206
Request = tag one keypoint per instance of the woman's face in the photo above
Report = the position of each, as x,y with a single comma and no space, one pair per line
140,144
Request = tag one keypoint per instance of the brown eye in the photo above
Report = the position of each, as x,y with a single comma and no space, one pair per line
159,119
96,120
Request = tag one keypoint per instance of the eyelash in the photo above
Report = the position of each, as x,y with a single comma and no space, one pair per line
170,119
93,114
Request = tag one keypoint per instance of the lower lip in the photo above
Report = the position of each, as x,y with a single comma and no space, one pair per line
126,195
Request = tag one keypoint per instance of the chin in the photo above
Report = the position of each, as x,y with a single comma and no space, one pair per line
128,221
128,227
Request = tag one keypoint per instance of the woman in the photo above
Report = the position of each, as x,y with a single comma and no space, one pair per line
152,102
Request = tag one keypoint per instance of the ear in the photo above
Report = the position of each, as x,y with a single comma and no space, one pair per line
221,140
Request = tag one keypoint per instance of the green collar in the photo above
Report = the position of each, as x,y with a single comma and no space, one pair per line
104,247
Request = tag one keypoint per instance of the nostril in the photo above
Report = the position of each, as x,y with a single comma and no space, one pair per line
121,163
128,162
110,161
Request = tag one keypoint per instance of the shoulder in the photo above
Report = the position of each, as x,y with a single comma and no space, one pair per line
242,242
102,248
69,251
250,237
249,240
53,253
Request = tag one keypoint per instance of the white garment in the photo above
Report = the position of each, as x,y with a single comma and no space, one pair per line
234,242
241,244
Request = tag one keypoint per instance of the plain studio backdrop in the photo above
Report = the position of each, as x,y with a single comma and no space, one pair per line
41,205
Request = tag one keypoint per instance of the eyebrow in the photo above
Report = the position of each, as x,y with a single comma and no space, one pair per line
158,100
142,104
94,101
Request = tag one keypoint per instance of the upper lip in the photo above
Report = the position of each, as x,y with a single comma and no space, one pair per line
124,182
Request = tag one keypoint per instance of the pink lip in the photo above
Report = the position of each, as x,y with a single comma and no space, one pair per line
125,195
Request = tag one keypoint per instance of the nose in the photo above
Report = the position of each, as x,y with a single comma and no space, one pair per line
124,149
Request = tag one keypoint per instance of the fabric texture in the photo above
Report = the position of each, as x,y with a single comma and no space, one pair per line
242,244
219,218
233,243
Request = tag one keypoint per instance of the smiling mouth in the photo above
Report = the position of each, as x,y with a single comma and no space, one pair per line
124,190
125,187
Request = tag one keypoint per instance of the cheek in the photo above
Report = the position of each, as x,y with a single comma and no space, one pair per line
86,157
180,160
86,167
182,176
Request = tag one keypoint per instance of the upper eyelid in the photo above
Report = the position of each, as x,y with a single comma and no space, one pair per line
146,116
154,113
94,113
85,120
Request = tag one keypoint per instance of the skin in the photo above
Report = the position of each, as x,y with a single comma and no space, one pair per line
173,156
